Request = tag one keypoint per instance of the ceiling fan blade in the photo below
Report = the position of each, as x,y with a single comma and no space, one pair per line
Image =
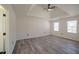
48,6
53,7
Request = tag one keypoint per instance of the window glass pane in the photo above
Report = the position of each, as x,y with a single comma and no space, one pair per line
56,26
72,26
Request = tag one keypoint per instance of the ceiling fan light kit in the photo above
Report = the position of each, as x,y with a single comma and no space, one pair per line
49,10
51,7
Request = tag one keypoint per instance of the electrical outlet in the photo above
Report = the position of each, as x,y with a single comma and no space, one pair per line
27,34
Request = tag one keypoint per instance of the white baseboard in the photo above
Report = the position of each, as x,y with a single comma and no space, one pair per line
22,36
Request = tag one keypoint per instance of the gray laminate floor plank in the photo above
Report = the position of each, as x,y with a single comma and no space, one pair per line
46,45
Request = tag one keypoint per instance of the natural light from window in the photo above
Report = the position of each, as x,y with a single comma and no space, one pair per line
72,26
56,26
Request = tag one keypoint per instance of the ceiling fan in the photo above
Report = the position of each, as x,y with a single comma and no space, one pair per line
51,7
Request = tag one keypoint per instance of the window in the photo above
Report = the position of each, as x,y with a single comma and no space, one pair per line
72,26
56,26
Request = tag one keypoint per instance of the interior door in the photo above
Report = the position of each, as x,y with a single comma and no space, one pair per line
1,30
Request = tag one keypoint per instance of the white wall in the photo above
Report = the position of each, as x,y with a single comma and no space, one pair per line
33,22
11,21
34,26
63,26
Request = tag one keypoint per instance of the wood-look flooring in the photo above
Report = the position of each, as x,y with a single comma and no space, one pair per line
46,45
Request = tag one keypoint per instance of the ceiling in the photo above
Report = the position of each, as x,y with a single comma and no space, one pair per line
30,10
40,10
